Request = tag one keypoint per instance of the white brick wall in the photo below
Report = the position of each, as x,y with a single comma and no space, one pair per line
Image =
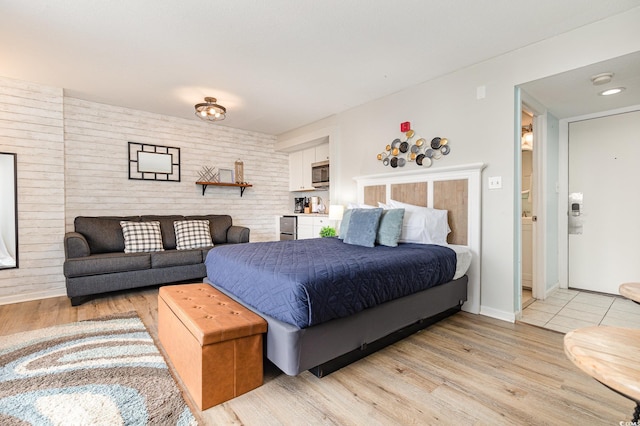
96,170
73,160
31,125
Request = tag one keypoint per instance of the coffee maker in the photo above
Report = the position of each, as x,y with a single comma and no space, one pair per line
299,205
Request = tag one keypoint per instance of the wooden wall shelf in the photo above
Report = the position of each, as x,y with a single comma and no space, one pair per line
242,186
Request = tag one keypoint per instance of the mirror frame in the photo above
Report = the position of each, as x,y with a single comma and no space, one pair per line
154,162
15,208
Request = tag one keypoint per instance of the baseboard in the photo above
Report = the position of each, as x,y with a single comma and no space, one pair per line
498,314
18,298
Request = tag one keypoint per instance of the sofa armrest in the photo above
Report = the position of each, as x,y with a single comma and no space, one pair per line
237,234
75,245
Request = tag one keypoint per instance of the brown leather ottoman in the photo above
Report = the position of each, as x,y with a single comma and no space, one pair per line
214,343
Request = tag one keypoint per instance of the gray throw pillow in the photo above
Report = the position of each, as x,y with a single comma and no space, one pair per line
390,227
363,227
344,225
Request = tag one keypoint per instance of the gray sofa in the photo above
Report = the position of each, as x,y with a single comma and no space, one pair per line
95,261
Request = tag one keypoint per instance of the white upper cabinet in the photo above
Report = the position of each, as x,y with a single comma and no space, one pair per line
300,166
296,178
322,152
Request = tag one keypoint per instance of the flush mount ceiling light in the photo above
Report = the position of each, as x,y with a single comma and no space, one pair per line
603,78
210,110
610,92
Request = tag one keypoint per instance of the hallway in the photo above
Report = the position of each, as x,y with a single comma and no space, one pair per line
568,309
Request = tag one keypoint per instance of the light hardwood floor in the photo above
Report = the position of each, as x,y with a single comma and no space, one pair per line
466,369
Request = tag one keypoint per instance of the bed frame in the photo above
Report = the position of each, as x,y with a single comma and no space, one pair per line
327,347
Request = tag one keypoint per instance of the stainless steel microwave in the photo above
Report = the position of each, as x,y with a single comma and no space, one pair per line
320,174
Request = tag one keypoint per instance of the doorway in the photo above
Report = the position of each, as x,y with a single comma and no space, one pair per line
526,207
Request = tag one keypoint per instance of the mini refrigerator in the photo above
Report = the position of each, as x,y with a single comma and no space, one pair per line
288,228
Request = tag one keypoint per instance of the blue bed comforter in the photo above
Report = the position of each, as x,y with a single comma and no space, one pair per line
307,282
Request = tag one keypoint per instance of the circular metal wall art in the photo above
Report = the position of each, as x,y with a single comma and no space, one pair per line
422,153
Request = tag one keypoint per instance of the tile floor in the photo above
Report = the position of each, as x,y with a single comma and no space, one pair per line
566,310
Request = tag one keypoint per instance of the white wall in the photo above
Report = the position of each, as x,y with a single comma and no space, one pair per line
479,130
73,160
31,126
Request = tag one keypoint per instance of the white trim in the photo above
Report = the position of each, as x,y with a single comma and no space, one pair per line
471,172
498,314
538,234
439,173
18,298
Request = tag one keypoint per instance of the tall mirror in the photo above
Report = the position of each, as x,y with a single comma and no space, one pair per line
8,211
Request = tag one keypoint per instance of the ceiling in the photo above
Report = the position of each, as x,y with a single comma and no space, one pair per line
276,65
572,94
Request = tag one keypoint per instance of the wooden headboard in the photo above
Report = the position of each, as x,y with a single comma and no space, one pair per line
450,195
456,189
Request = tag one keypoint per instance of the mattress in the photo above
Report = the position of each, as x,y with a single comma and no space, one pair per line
463,259
308,282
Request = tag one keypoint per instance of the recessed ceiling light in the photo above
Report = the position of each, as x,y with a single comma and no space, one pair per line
613,91
602,78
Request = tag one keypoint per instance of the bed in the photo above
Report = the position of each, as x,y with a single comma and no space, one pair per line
406,288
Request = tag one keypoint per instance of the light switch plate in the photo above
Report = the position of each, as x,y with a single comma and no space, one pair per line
495,182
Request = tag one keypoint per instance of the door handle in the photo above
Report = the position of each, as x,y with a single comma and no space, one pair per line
534,218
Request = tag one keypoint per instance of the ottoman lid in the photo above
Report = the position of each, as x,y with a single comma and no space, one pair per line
210,315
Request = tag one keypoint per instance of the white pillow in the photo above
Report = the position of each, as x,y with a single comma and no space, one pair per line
422,225
359,206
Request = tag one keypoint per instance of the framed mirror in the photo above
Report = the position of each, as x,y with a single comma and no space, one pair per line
8,211
154,162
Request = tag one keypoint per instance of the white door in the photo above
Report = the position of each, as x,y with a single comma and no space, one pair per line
604,231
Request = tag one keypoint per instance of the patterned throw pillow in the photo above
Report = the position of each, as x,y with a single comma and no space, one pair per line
141,237
192,234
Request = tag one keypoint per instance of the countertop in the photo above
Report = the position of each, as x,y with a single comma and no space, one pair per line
308,214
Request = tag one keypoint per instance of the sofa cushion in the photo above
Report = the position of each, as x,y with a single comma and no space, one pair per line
103,234
218,224
166,227
167,258
191,234
141,236
106,263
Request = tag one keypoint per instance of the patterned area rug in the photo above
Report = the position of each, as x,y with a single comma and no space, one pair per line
99,372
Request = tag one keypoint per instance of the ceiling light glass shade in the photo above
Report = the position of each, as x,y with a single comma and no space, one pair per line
210,110
613,91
